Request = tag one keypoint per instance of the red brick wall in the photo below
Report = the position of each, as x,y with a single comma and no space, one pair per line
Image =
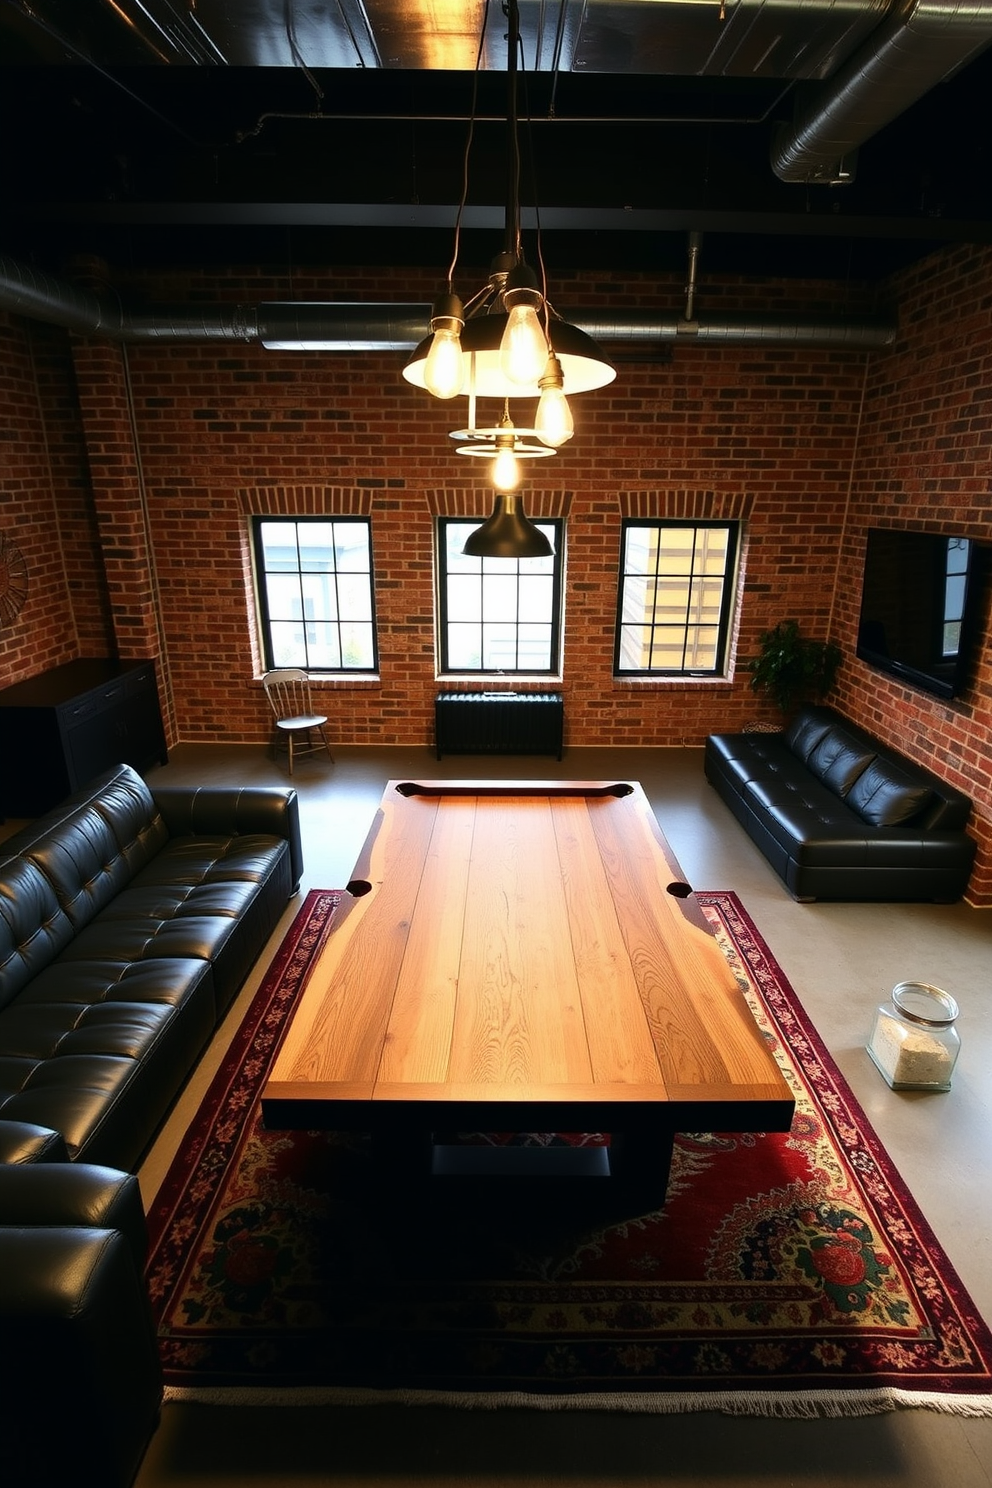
811,446
771,427
44,633
923,461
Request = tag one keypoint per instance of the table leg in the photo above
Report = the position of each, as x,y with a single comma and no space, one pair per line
642,1158
404,1152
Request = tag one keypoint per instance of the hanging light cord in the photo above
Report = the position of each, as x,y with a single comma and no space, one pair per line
468,145
513,242
546,308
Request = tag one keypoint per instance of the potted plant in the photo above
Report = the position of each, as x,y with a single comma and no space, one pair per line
790,668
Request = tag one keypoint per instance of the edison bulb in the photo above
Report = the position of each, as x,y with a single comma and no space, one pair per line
523,350
553,423
443,367
506,470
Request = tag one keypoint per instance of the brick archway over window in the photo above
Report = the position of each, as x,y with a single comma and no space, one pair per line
470,501
687,505
306,501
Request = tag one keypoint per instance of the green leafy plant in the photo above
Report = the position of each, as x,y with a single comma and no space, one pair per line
792,669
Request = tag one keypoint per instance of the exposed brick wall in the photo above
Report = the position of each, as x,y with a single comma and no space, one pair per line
812,445
773,428
924,462
43,634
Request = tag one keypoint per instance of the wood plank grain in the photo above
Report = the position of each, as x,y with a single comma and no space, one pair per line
417,1045
338,1031
620,1044
519,1017
702,1027
518,950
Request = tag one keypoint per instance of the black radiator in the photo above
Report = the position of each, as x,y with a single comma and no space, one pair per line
499,723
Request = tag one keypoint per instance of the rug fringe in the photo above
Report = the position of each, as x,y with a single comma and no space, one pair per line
785,1404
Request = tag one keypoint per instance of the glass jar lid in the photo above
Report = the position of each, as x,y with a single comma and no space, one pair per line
922,1003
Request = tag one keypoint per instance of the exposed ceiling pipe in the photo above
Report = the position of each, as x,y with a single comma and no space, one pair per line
917,46
695,244
392,327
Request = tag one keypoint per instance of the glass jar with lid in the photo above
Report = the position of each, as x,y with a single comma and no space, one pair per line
914,1042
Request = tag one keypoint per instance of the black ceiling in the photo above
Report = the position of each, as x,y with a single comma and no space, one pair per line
151,160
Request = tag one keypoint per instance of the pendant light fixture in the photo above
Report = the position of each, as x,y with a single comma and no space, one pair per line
507,342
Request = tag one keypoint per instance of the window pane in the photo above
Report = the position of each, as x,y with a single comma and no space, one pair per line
323,647
351,547
315,593
465,647
499,648
319,598
635,648
679,620
499,596
464,597
284,596
535,597
637,599
641,548
357,645
316,541
534,647
701,647
497,615
288,649
279,545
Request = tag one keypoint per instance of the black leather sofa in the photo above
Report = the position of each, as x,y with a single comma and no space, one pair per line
128,921
83,1383
129,918
841,816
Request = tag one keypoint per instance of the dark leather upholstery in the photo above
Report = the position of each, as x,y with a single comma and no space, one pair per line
24,1142
83,1387
840,816
128,921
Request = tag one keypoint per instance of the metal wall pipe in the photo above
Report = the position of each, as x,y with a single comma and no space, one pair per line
914,48
352,327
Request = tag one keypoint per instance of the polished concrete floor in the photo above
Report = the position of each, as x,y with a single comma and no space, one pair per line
842,960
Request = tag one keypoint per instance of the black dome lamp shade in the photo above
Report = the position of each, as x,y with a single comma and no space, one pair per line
508,533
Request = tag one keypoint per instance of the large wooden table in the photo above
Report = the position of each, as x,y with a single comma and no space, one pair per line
523,956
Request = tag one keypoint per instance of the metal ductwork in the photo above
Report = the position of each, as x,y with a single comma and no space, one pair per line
919,45
348,327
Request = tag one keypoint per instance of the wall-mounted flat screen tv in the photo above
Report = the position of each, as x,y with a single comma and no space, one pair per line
918,607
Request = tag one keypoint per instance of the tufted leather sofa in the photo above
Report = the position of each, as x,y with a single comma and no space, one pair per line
128,921
840,816
83,1386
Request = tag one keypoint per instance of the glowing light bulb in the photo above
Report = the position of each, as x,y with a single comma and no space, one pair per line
506,469
443,367
523,350
553,422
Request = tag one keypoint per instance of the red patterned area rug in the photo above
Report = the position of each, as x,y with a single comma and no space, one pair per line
786,1275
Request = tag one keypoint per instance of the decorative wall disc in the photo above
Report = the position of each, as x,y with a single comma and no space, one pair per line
13,580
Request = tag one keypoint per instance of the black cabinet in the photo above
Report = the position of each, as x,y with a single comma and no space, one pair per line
61,728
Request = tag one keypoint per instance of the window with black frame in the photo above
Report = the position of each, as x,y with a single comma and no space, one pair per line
675,597
316,594
498,616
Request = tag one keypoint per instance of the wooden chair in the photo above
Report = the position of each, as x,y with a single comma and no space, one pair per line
288,692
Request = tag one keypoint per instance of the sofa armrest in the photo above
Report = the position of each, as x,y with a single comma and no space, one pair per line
24,1142
207,810
83,1386
76,1194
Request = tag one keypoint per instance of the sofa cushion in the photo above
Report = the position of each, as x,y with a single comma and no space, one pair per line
97,845
838,760
33,926
805,732
886,797
100,1058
